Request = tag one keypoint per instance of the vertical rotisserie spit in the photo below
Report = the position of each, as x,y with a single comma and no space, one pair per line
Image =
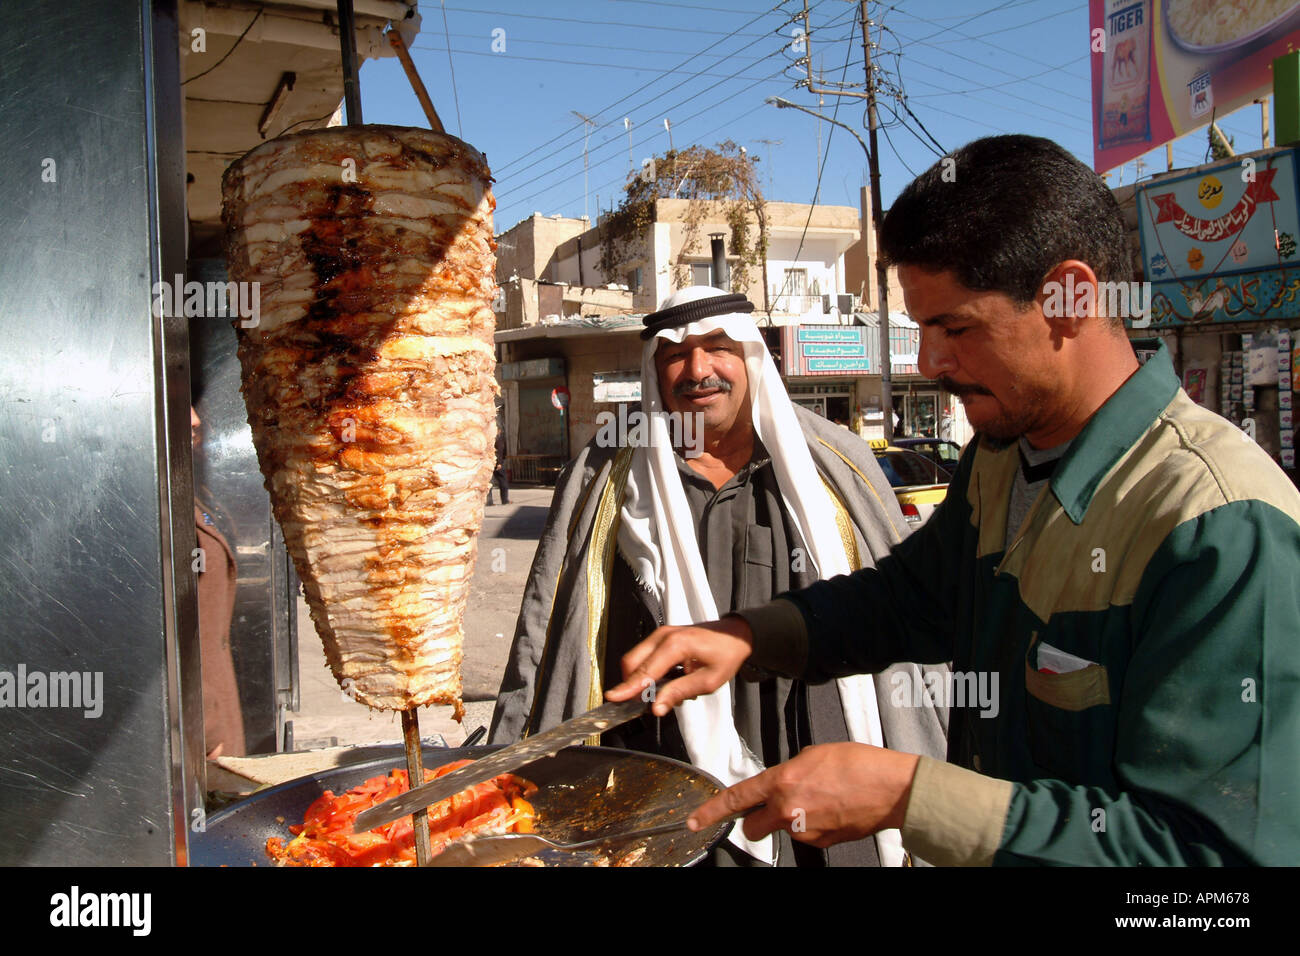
370,389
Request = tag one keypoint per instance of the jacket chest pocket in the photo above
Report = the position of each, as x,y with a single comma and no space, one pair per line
758,546
1071,721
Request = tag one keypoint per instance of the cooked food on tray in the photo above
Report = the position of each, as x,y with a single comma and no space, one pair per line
325,837
370,389
1208,23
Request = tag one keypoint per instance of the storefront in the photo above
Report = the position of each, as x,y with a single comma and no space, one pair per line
824,368
1220,260
534,393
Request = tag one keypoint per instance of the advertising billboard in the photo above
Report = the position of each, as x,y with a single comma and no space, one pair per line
1162,68
1219,242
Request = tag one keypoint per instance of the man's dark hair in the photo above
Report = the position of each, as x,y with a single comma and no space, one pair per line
1015,206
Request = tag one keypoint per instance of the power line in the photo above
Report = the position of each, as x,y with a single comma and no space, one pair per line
822,169
1076,127
660,109
1070,8
885,129
575,43
975,16
604,23
700,112
585,64
686,6
455,95
897,91
1016,79
648,138
701,137
610,107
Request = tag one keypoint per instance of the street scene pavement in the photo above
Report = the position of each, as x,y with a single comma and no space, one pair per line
327,717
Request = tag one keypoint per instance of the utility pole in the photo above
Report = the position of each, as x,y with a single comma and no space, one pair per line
821,102
669,126
590,121
882,274
873,166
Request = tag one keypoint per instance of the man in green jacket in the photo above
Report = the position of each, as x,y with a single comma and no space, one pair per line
1119,567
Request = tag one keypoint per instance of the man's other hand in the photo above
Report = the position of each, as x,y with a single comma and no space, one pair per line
710,654
826,794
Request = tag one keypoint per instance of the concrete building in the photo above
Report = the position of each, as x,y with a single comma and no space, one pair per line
568,333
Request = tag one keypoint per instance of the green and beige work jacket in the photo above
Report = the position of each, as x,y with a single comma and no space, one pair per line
1126,674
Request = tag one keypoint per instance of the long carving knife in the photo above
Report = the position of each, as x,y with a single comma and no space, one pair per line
510,758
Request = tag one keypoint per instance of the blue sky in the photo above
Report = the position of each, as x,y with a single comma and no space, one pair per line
969,68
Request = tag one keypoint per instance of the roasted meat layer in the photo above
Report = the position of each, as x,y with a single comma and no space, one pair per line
370,388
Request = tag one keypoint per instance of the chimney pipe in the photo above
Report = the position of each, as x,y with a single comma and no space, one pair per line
721,276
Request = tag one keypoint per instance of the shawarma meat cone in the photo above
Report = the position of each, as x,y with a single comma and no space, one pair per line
370,388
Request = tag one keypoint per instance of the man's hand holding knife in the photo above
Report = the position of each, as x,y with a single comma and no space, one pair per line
826,794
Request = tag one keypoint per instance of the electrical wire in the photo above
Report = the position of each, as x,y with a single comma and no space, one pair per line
826,155
685,6
655,99
583,65
1072,7
238,40
664,74
1015,79
703,136
975,16
319,119
574,43
618,136
897,155
648,138
707,109
450,66
1054,120
588,22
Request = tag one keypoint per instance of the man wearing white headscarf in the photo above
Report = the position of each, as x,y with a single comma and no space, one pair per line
660,529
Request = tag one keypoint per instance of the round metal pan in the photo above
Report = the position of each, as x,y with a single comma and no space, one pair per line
582,793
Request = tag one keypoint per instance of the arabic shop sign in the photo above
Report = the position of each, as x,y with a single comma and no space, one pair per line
827,350
1219,244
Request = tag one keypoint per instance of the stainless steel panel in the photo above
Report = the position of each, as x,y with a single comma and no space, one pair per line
263,633
93,438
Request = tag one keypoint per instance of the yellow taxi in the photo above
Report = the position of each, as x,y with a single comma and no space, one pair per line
919,483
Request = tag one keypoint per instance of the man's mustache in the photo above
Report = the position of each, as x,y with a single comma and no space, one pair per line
690,385
960,390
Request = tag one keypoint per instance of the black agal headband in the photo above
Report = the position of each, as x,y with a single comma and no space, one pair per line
685,313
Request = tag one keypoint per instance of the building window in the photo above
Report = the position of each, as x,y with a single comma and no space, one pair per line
702,273
633,280
796,282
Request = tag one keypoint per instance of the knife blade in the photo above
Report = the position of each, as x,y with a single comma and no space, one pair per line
495,848
572,731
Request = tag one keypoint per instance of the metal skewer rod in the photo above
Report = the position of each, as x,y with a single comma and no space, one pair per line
348,42
417,84
415,776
